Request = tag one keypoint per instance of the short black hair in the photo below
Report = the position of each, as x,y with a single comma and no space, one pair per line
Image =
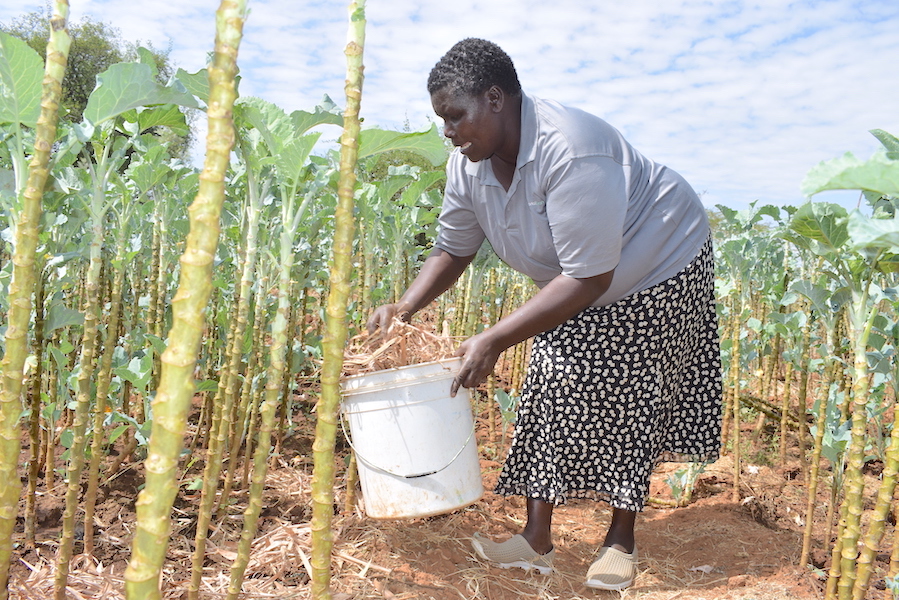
472,66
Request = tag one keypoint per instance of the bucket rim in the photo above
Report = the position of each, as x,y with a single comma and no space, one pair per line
447,363
399,376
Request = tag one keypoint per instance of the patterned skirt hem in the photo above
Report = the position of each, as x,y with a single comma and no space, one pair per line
612,499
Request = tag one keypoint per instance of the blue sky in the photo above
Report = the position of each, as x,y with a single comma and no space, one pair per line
741,97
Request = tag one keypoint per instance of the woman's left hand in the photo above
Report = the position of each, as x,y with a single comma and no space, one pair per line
480,355
555,303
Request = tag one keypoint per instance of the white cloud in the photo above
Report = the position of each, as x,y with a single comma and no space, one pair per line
742,97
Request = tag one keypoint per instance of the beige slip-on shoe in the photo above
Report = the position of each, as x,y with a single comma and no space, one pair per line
514,552
612,570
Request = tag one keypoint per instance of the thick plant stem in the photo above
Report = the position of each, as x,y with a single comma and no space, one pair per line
268,412
882,508
812,501
35,454
176,386
855,484
727,396
211,471
229,423
894,554
104,379
224,397
85,380
236,336
155,280
255,366
352,481
785,414
335,323
802,401
50,435
833,575
21,285
735,382
276,371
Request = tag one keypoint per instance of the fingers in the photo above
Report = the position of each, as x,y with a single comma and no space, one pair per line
459,381
381,319
468,377
372,325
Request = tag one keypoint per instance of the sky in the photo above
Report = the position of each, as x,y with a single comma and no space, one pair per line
740,97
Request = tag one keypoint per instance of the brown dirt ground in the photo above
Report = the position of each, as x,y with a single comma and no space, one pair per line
715,548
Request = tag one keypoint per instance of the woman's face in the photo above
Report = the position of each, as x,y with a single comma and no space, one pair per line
472,122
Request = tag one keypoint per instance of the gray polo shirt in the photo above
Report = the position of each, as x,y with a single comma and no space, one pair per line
582,202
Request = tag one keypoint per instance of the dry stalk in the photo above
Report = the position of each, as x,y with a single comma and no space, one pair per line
403,344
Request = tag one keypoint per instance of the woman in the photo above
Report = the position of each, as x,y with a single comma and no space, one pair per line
624,368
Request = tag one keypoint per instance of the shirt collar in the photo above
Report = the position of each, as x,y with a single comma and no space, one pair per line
527,146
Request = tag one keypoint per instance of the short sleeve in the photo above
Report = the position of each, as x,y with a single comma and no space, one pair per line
459,232
586,206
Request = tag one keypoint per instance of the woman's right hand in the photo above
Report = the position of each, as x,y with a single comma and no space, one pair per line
383,316
439,271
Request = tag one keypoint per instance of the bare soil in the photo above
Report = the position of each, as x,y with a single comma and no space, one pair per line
714,548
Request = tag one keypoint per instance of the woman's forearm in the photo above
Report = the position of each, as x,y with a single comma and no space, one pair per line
439,271
561,299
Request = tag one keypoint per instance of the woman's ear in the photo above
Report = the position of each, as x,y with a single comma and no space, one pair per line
496,98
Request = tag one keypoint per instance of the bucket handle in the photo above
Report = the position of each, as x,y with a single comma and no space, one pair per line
388,471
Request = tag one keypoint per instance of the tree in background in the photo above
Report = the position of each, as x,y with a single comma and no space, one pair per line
95,47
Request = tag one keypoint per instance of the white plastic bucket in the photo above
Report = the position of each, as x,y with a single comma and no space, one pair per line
414,444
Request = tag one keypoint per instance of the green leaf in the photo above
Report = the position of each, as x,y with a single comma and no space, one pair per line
158,344
866,233
879,174
428,144
290,159
21,73
67,438
388,188
823,222
824,301
269,119
325,113
167,115
151,170
207,385
196,83
61,316
888,263
146,57
889,141
124,86
138,371
508,404
754,324
117,432
415,190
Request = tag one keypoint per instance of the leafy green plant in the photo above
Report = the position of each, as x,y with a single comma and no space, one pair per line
682,482
508,404
856,249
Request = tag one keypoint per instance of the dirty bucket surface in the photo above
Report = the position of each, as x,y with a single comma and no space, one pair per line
414,444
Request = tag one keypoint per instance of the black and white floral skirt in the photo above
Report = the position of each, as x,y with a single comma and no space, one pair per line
615,390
